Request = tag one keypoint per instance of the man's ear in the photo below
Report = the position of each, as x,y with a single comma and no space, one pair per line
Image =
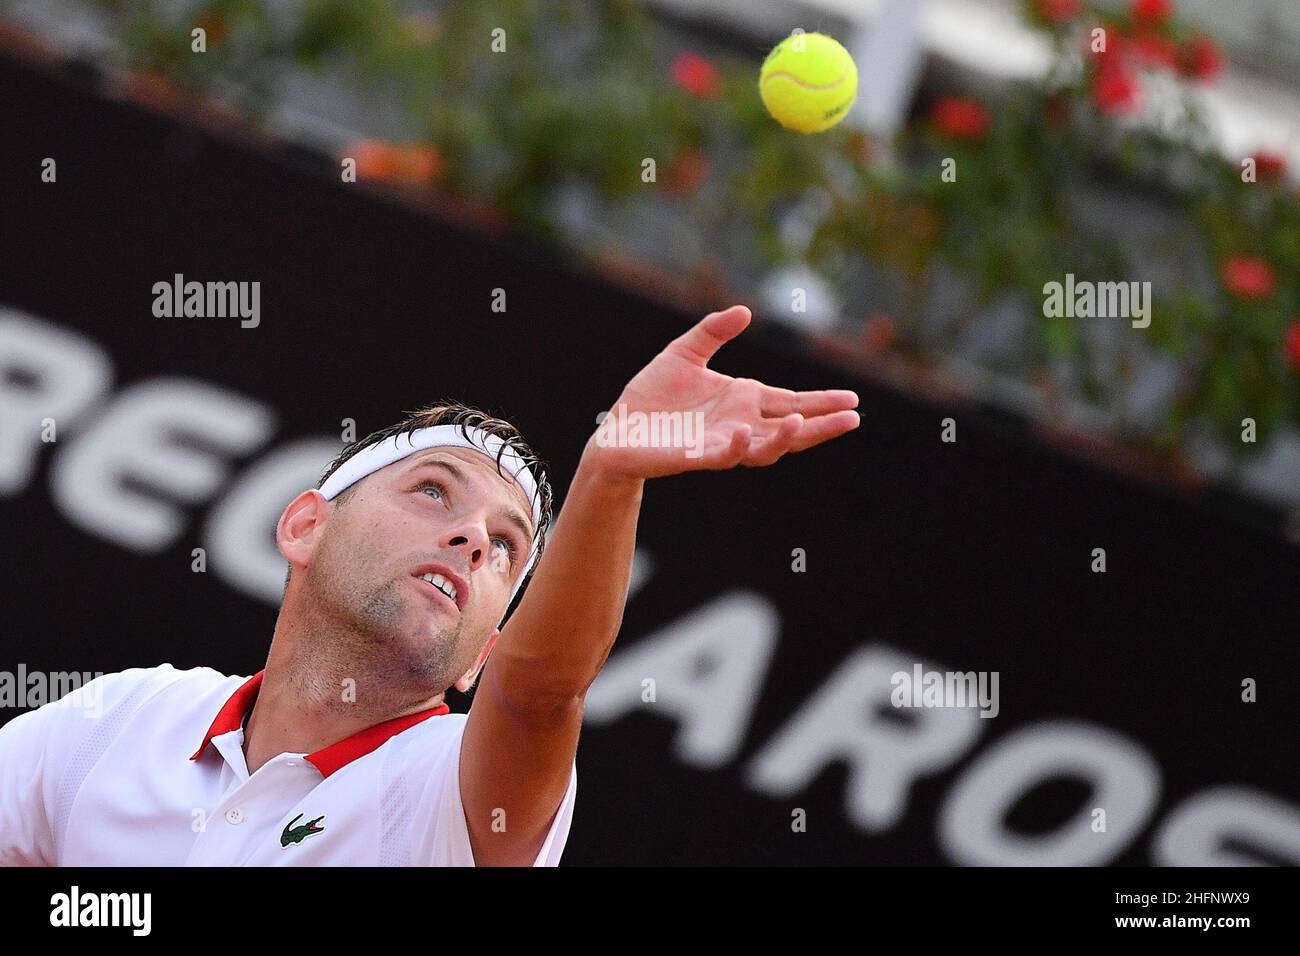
466,680
300,526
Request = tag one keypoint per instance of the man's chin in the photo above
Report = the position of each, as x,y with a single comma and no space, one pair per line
418,659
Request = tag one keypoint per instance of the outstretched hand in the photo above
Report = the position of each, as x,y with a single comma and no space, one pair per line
713,421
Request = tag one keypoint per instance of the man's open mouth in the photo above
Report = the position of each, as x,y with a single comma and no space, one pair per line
445,583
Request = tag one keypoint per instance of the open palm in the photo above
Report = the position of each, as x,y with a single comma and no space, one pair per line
730,421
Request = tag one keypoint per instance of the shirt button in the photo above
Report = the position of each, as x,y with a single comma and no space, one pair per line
235,817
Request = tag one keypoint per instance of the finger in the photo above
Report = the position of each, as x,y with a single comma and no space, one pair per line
775,402
824,428
766,451
730,454
715,330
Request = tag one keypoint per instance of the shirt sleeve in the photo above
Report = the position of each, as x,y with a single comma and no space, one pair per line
26,836
442,837
35,747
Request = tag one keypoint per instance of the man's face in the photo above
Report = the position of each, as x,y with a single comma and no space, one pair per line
445,512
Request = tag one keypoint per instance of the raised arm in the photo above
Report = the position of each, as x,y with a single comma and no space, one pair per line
523,727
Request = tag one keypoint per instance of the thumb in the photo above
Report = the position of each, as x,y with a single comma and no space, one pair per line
701,342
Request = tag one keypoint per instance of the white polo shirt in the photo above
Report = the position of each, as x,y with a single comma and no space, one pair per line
110,775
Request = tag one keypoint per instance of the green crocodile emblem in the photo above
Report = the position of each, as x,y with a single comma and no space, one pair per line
293,834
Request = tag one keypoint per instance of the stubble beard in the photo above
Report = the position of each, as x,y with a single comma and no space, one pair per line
405,645
384,634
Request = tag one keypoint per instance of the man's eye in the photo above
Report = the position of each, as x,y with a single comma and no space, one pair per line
507,545
429,486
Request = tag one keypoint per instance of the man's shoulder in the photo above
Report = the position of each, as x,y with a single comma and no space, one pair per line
135,679
102,708
134,688
431,744
434,735
427,749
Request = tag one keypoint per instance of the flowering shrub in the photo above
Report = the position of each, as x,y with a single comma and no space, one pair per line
510,128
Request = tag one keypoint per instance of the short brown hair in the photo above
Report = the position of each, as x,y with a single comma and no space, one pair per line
464,417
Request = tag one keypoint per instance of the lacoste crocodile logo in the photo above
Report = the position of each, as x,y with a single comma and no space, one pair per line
293,834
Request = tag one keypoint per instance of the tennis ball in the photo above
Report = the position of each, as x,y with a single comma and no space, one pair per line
808,82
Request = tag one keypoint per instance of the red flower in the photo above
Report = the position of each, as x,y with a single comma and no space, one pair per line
960,117
1202,59
1248,277
419,163
1155,49
1270,165
1152,11
879,333
696,75
375,159
687,172
379,160
1291,344
1058,11
1116,90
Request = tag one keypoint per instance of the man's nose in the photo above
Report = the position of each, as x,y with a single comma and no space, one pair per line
470,539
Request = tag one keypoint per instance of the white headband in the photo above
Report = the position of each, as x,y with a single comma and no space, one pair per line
382,454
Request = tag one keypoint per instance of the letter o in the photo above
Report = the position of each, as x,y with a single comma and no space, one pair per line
1125,780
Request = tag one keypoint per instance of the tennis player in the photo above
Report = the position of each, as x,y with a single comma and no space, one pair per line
402,566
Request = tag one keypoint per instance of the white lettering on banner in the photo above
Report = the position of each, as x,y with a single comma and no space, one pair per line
243,554
1205,828
852,720
45,372
1125,781
136,438
709,667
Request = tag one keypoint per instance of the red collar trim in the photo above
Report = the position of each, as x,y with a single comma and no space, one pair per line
338,755
328,759
231,716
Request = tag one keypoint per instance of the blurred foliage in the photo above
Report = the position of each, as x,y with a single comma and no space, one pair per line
585,91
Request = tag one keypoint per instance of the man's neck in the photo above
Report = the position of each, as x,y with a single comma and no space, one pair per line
313,695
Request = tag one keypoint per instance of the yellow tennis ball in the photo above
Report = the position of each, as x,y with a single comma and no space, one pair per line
808,82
